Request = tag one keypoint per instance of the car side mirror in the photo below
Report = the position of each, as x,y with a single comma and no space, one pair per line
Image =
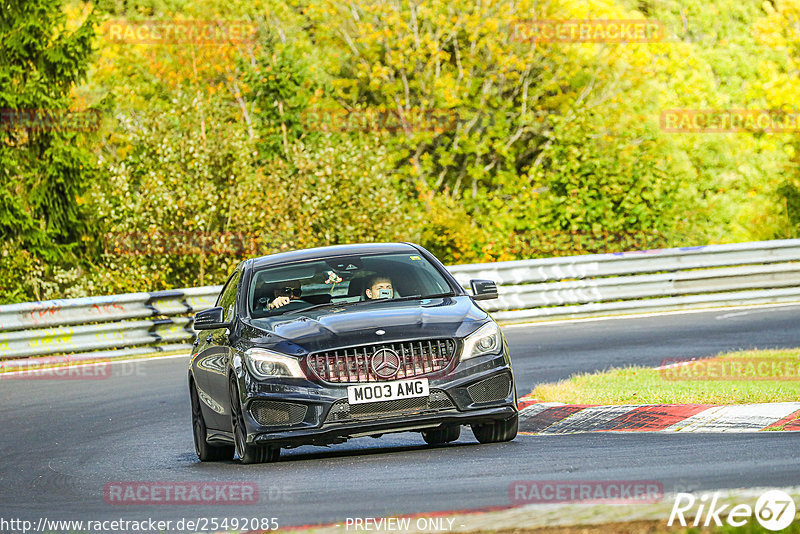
210,319
483,289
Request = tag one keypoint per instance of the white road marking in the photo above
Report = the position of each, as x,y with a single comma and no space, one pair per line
729,315
736,418
545,322
748,312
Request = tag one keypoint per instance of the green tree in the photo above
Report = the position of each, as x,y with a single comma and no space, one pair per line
276,91
44,170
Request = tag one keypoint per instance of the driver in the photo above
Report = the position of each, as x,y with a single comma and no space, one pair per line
379,287
286,293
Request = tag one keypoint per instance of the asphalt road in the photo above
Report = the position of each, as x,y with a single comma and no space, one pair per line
62,441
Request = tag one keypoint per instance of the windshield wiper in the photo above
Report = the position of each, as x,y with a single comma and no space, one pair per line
439,295
416,297
399,299
316,306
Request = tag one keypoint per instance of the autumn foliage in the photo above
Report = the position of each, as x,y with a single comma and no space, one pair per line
302,123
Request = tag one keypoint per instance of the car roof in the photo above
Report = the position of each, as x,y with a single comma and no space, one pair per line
329,252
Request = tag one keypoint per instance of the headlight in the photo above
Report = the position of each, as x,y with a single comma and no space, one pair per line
267,364
485,340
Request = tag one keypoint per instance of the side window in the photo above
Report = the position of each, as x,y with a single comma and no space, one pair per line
227,298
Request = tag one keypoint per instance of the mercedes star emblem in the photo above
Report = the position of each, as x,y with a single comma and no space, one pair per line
385,363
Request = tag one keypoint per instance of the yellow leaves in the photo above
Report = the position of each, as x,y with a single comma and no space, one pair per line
380,71
76,14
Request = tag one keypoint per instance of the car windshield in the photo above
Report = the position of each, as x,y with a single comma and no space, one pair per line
343,279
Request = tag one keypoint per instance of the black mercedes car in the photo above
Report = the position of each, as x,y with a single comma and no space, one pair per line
317,346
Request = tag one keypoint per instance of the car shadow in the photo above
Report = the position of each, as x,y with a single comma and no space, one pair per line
306,453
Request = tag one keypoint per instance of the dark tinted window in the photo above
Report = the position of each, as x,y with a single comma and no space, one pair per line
344,279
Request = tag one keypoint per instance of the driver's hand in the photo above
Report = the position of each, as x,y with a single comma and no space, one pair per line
278,302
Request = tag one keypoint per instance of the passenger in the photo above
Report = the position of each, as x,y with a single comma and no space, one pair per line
286,293
379,287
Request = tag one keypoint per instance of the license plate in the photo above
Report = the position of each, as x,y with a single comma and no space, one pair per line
386,391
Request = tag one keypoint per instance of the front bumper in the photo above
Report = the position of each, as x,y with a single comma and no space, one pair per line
407,423
477,390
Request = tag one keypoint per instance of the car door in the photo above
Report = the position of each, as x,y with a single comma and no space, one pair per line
211,364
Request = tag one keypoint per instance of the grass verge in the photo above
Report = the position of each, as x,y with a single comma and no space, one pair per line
728,378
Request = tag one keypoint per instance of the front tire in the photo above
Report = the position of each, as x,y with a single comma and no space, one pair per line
205,451
497,431
248,453
440,436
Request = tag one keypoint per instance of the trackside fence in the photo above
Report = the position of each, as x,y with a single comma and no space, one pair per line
530,290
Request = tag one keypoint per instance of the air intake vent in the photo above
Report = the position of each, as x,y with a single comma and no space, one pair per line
490,389
269,413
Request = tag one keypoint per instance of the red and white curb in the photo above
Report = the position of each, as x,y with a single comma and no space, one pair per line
556,418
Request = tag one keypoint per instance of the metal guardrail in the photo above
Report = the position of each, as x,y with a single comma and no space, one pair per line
107,308
641,281
118,325
541,289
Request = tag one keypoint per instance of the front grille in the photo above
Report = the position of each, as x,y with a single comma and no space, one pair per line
388,407
490,389
269,413
353,365
343,410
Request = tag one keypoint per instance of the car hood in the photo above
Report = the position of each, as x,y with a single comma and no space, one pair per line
349,325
